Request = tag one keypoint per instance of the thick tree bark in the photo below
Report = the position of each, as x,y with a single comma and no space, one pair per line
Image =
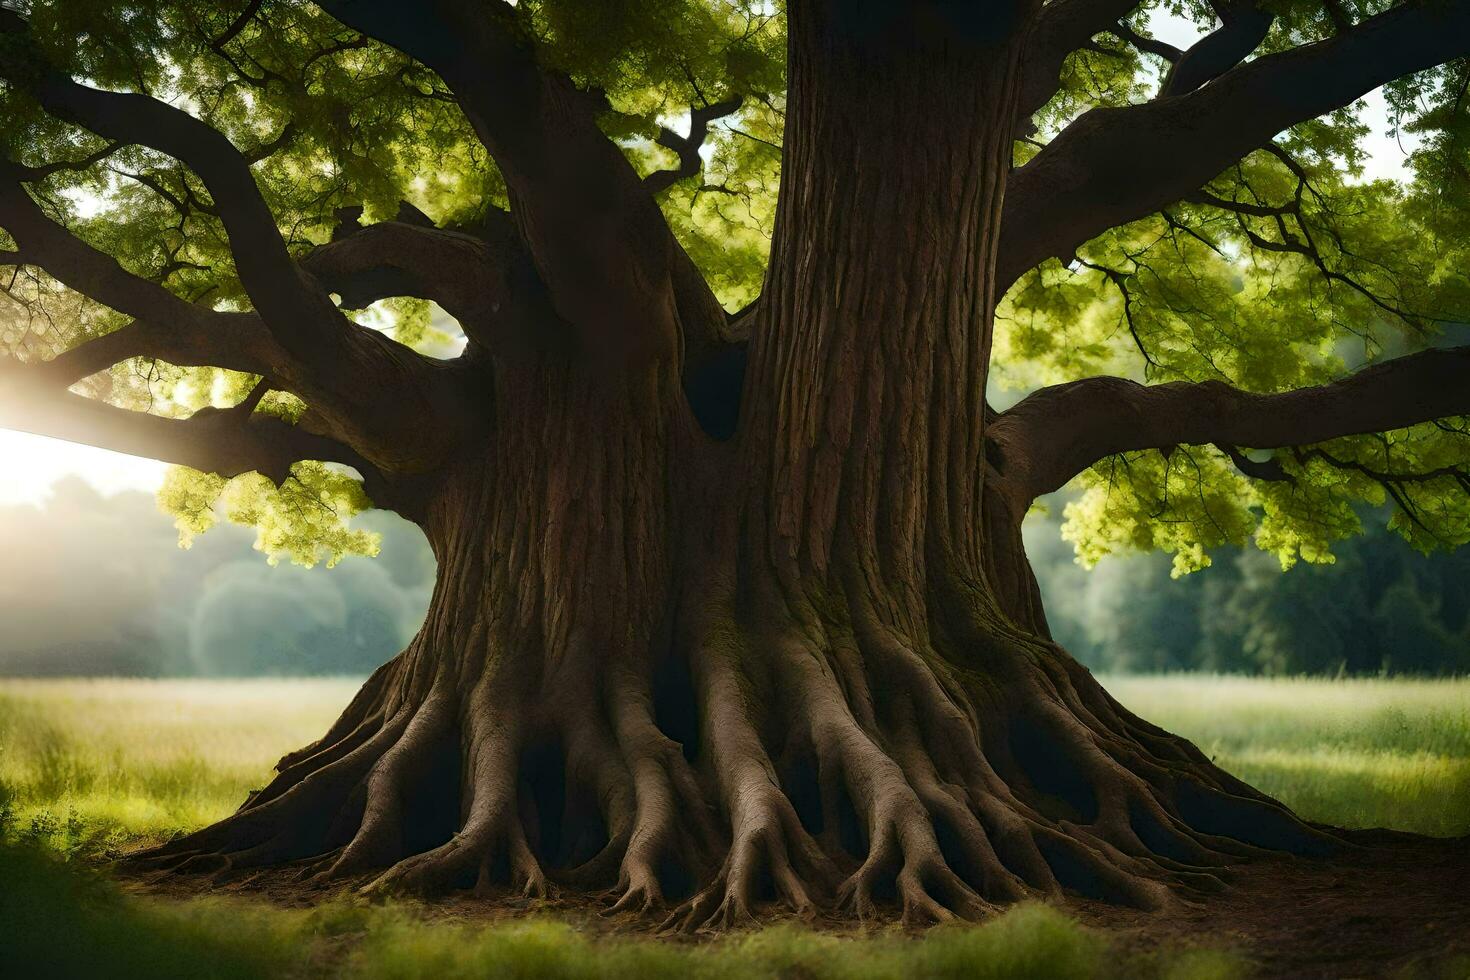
809,664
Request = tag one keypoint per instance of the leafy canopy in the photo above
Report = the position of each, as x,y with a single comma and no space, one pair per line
1288,269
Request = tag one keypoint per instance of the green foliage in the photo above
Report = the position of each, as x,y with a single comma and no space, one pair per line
1318,273
1198,294
304,519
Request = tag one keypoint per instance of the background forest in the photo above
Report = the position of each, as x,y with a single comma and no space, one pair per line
142,607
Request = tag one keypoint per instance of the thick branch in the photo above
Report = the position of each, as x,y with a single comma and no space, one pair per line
367,392
1115,165
165,327
80,266
234,341
486,280
1057,432
370,392
1243,26
599,242
227,442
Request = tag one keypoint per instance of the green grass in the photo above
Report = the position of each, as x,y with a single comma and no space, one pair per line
113,762
91,765
61,923
1365,752
94,763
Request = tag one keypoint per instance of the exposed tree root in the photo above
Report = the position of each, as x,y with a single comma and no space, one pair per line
842,770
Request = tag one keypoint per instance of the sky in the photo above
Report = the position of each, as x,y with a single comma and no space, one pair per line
29,464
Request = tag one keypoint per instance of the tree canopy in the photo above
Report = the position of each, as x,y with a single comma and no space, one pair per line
1249,251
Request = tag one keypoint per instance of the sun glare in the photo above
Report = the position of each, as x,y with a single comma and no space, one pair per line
29,465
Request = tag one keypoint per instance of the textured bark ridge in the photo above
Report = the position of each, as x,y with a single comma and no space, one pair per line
806,666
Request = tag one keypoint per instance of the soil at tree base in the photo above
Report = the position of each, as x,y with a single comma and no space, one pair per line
1397,907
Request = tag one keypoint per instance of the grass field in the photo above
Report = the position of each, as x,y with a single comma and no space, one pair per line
106,762
1363,752
92,765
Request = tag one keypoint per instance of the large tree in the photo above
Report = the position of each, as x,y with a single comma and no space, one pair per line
734,605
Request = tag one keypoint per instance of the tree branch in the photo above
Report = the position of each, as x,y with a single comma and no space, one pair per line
1060,28
301,316
1057,432
688,147
234,341
346,389
1115,165
1243,26
1144,43
369,391
72,166
165,326
613,269
486,281
227,442
76,264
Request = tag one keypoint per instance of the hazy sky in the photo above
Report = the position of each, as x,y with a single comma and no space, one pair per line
30,464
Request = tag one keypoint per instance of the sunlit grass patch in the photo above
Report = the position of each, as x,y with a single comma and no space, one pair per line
1028,941
91,764
1360,752
137,760
95,764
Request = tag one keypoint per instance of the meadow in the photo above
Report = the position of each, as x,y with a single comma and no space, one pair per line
92,766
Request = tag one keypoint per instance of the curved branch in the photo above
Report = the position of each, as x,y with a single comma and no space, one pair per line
69,166
1144,43
1243,26
301,316
1115,165
687,147
234,341
345,386
613,269
1060,28
76,264
165,326
486,281
1057,432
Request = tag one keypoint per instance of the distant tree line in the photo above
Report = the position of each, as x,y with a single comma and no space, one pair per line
95,585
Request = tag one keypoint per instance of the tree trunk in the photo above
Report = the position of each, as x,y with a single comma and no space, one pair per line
809,664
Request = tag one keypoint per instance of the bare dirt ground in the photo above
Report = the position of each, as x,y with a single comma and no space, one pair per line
1399,903
1370,912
